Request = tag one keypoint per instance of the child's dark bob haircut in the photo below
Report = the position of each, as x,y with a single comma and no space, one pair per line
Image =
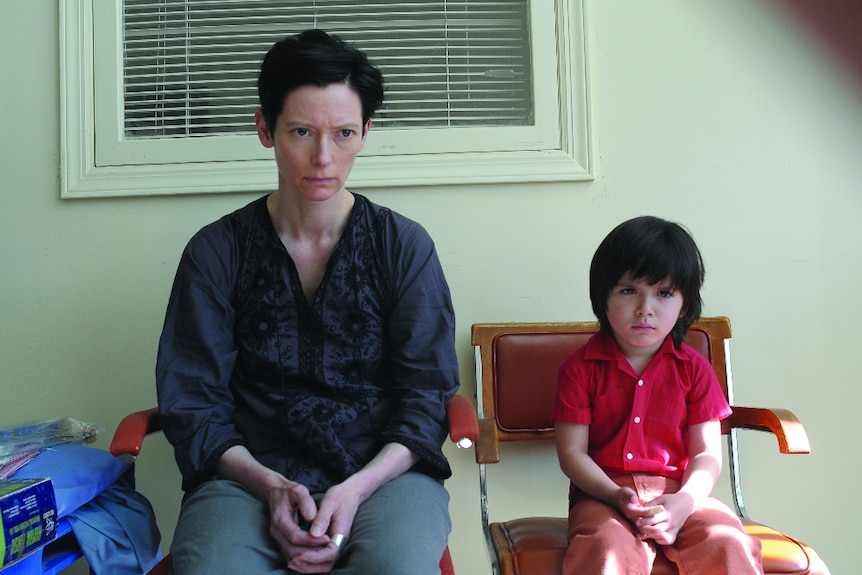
315,58
653,250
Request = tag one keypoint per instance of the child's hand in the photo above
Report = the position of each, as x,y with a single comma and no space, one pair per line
628,503
663,526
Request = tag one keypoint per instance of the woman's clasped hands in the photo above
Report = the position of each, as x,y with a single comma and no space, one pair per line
310,536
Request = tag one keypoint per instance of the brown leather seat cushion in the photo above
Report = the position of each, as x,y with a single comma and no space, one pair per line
536,545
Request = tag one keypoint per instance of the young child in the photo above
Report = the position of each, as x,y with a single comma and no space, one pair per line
638,418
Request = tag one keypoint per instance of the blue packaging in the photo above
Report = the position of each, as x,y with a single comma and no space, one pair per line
28,517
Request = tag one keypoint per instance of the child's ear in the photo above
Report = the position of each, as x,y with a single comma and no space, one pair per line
683,308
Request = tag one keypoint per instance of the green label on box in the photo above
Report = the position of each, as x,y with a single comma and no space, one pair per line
28,517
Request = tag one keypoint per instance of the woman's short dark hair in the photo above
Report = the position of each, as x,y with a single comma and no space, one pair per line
653,250
316,58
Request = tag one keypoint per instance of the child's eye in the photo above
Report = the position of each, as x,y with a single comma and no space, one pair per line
666,293
627,291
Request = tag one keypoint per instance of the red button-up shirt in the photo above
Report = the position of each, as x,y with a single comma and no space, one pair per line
638,424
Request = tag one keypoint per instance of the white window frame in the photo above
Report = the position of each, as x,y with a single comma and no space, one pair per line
557,148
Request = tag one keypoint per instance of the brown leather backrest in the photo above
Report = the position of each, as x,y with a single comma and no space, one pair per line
526,366
525,359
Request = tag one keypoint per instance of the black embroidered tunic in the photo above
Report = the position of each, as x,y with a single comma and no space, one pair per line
312,389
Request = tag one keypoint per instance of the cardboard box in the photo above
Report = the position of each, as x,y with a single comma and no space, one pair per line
28,517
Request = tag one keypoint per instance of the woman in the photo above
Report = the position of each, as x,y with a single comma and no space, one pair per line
308,353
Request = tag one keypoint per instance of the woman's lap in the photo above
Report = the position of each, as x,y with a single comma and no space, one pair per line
222,529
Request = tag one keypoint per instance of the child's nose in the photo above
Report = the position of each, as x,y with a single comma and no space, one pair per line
645,306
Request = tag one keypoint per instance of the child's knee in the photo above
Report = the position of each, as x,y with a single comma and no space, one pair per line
721,547
608,548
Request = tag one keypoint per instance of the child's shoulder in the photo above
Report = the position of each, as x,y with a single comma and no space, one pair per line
688,353
697,366
599,347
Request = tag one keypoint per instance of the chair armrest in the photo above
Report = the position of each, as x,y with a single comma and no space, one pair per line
130,433
488,446
780,422
463,423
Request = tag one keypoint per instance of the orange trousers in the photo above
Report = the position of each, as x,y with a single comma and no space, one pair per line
712,540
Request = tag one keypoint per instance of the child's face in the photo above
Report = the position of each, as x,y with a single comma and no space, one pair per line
642,315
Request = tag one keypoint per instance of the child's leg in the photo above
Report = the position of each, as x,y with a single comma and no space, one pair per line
601,540
713,541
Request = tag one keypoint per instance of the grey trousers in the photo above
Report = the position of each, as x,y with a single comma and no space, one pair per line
401,529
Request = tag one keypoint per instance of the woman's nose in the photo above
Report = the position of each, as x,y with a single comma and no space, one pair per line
321,155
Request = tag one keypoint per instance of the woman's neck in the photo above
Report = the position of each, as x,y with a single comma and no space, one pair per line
298,220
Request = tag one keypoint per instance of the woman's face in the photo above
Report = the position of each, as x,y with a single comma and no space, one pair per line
317,137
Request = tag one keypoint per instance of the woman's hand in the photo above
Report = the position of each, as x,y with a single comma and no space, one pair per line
291,507
314,552
334,517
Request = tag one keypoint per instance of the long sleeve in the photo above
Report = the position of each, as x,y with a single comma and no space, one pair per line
197,354
424,366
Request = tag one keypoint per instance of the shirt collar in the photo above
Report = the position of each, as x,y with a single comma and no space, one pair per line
603,347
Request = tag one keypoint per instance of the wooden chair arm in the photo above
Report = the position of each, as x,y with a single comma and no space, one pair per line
488,446
463,423
780,422
130,433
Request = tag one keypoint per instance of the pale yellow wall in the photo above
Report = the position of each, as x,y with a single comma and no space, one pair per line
731,117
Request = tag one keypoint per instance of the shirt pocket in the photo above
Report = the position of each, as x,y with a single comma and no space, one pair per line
666,415
610,413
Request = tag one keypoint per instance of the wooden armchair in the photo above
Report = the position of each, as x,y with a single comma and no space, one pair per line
129,438
516,372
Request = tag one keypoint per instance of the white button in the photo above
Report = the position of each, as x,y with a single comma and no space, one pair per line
637,419
640,383
629,456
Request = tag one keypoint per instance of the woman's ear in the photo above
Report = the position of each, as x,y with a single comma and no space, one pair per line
262,130
365,128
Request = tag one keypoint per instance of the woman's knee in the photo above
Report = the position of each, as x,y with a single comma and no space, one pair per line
366,558
402,528
223,529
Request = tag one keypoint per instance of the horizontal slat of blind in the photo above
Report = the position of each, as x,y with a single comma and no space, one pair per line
190,66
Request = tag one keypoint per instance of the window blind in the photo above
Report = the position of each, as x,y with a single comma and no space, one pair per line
190,66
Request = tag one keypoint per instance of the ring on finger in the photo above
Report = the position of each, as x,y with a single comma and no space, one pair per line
337,540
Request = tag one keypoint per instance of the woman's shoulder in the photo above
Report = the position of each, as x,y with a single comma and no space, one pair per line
385,216
232,226
392,228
